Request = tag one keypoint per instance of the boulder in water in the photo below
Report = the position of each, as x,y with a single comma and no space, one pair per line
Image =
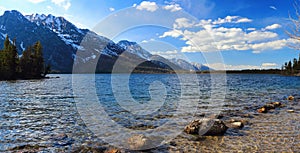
206,126
290,98
262,110
113,151
138,142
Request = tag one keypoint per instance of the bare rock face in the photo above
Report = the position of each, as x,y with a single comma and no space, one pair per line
206,126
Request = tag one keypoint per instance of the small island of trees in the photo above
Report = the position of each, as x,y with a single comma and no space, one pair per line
292,67
30,65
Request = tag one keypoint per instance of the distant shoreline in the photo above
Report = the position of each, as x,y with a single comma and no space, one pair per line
255,71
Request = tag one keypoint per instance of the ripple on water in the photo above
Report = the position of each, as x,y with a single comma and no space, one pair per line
41,115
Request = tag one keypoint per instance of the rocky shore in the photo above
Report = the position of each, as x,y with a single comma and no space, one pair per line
261,126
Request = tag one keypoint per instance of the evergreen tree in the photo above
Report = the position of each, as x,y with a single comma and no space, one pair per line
13,59
26,63
38,59
30,65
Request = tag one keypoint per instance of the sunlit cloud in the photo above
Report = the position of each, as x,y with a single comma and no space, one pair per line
148,6
272,27
213,36
173,7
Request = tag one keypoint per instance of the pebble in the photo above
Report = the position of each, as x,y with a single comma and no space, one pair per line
290,111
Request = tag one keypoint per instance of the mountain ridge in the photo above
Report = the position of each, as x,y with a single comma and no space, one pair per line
66,45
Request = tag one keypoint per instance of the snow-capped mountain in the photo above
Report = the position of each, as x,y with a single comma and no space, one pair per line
190,66
134,48
200,67
64,44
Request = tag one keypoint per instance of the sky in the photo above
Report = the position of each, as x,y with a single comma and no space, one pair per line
230,34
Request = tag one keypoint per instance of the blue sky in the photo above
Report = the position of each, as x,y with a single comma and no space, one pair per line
237,34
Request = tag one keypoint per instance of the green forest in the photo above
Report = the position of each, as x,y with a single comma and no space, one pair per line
30,65
292,67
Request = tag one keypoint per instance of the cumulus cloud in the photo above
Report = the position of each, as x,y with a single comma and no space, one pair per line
231,19
213,37
173,7
272,27
148,6
66,4
36,1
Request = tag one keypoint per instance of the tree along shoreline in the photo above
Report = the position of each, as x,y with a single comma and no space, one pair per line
30,65
292,68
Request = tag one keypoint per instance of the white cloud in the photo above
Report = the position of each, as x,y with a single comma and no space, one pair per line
148,6
36,1
231,19
183,23
213,37
66,4
273,7
272,27
251,29
112,9
266,65
173,7
222,66
173,33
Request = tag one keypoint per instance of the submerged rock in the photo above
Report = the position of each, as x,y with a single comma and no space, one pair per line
290,98
206,126
269,106
113,151
277,104
137,142
262,110
237,125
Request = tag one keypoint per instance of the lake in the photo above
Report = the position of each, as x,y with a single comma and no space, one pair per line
75,112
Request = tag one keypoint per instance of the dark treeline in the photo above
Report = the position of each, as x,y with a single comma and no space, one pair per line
292,67
30,65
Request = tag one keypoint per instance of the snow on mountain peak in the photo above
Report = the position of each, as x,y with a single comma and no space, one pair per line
135,48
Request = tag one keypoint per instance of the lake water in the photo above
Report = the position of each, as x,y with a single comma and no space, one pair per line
71,113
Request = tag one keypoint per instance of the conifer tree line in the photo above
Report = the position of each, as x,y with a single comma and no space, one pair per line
30,65
292,67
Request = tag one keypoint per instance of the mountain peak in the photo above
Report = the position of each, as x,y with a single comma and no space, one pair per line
134,48
13,12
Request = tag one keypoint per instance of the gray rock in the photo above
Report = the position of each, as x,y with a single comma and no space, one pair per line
206,126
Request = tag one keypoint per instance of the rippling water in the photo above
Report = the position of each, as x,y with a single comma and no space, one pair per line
41,115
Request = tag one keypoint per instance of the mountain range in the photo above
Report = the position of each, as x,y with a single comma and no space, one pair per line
66,45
